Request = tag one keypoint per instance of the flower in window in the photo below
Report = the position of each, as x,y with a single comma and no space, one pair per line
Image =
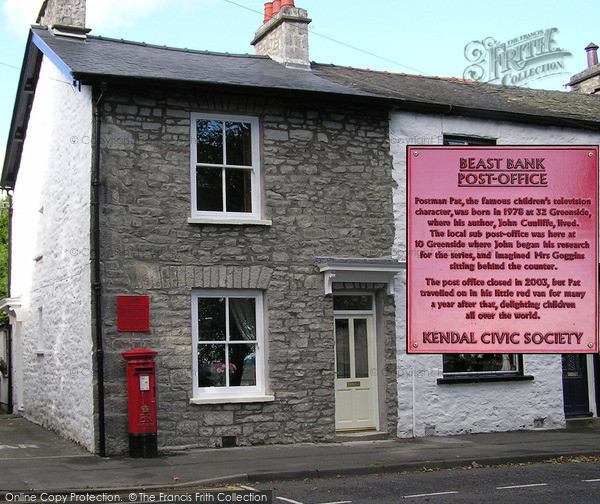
227,332
219,367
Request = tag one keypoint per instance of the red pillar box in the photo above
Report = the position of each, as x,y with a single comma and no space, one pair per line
141,392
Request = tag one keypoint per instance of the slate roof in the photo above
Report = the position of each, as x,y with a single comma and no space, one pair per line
460,97
96,58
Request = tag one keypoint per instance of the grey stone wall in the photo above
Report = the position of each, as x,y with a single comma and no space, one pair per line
327,186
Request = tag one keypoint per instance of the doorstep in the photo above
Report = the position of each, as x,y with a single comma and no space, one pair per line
367,435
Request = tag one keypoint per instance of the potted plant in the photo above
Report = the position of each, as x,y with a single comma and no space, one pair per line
3,367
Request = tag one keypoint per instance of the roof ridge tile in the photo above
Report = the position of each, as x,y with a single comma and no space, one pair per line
176,49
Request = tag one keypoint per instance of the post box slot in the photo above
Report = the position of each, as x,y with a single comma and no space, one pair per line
144,370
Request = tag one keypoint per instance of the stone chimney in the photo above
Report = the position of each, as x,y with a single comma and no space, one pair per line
284,34
64,16
588,81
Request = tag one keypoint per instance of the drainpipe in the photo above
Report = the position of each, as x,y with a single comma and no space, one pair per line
97,287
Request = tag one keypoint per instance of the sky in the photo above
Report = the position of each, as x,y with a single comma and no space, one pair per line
424,37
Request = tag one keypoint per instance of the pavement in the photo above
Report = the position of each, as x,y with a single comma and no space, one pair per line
35,459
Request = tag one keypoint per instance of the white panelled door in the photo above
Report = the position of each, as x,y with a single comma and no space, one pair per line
355,386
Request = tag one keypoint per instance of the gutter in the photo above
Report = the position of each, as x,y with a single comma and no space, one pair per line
97,283
344,93
28,79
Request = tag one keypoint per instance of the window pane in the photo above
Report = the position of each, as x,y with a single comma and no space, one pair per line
361,352
242,319
239,147
352,303
209,188
211,365
211,319
342,348
209,141
479,363
466,140
242,365
574,361
238,189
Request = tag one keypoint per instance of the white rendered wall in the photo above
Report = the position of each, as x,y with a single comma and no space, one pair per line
51,259
424,407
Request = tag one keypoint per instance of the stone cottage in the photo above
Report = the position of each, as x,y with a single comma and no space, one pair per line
258,202
221,194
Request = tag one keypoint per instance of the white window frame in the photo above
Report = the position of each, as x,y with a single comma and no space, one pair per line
352,293
204,216
215,395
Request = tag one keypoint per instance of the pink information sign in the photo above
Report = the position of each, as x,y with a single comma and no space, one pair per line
502,249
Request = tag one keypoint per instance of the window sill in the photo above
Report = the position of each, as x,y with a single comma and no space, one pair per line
452,380
230,221
232,399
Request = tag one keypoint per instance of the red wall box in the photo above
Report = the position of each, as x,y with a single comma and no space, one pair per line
141,400
502,249
133,313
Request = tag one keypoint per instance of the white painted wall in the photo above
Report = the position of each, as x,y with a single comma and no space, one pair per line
51,260
426,408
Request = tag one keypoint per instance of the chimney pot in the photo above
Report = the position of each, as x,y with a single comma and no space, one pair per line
268,11
287,3
592,54
276,6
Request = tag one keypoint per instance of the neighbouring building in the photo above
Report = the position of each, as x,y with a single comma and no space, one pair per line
447,394
259,202
588,81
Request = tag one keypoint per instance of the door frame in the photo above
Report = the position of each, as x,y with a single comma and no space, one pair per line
372,315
